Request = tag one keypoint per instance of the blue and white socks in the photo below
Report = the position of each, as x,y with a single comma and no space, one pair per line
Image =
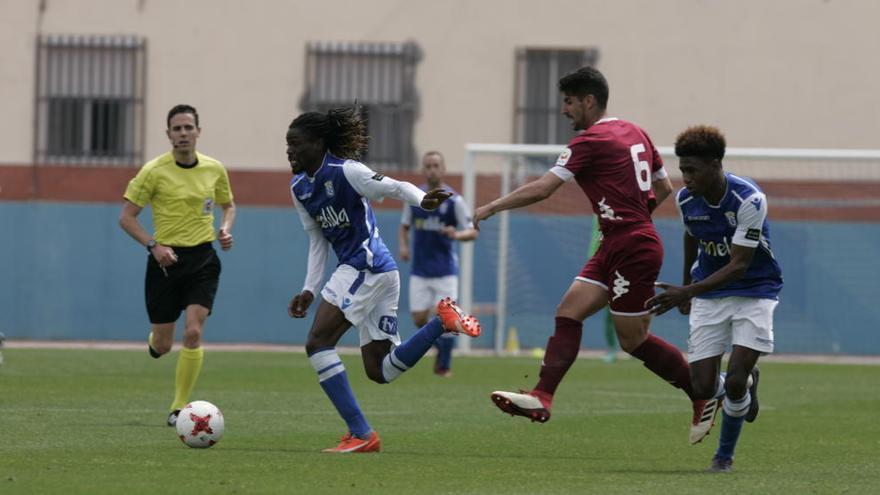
444,351
732,418
334,381
408,354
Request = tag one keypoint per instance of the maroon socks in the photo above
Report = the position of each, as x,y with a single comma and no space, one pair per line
665,361
562,350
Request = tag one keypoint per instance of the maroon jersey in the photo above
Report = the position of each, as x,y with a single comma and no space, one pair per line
614,162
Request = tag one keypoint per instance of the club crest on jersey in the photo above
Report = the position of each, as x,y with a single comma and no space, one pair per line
328,188
731,218
563,157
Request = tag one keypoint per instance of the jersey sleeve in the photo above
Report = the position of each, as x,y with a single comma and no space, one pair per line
463,218
308,222
318,249
376,186
572,160
679,201
222,189
140,188
750,220
406,216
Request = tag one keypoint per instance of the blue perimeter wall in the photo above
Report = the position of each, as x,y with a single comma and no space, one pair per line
69,272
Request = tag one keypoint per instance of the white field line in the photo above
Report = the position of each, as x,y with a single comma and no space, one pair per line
590,354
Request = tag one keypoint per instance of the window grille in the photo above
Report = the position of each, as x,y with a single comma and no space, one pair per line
537,116
90,100
381,78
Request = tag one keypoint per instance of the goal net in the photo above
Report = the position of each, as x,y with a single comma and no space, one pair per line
824,211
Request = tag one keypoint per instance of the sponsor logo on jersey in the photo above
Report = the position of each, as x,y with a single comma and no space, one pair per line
698,218
607,211
620,285
329,218
378,177
753,234
304,196
388,324
328,187
731,218
563,157
208,206
431,224
712,248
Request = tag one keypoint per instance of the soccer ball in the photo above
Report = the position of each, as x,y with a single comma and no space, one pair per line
200,424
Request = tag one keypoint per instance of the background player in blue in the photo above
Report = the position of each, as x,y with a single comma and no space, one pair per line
731,282
434,272
331,192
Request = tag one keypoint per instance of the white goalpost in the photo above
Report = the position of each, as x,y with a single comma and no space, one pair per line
508,165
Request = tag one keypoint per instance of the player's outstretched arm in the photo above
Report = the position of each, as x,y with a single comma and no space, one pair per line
524,195
433,198
674,296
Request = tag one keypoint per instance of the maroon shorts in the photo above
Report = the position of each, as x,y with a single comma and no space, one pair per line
626,265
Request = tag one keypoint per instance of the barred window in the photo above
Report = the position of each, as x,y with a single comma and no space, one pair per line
381,78
537,116
90,100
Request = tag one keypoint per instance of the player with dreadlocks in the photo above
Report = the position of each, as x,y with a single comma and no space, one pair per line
331,191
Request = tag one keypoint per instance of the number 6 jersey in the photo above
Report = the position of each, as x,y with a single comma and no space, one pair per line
614,162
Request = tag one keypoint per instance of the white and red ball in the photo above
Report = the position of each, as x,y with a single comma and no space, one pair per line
200,424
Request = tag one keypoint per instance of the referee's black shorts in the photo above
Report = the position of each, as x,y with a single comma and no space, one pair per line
192,280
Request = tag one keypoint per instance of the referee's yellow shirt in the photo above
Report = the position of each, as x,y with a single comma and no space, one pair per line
182,199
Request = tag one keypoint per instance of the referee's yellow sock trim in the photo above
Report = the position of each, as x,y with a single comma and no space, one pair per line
189,364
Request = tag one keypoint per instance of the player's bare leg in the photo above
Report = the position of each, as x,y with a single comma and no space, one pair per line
581,300
159,343
736,406
161,339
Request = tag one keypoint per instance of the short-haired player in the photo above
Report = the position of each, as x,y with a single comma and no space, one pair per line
730,285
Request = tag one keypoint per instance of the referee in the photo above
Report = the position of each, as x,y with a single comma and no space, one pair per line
183,270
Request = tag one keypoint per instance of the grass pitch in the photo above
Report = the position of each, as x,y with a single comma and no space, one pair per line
89,421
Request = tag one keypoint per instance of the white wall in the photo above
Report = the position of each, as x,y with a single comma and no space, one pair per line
786,73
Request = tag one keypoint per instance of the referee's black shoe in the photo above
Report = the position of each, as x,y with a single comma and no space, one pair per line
172,417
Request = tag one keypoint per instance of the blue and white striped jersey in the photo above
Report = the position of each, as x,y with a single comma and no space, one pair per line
336,201
740,218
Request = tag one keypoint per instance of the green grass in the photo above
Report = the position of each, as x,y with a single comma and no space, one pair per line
75,421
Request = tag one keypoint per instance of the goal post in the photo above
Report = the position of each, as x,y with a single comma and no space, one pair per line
805,185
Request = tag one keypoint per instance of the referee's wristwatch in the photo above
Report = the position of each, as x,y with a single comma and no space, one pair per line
150,245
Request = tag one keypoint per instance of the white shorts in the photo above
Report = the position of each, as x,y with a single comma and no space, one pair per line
716,324
424,292
368,300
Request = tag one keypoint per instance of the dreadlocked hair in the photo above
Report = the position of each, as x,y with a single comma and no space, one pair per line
343,130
